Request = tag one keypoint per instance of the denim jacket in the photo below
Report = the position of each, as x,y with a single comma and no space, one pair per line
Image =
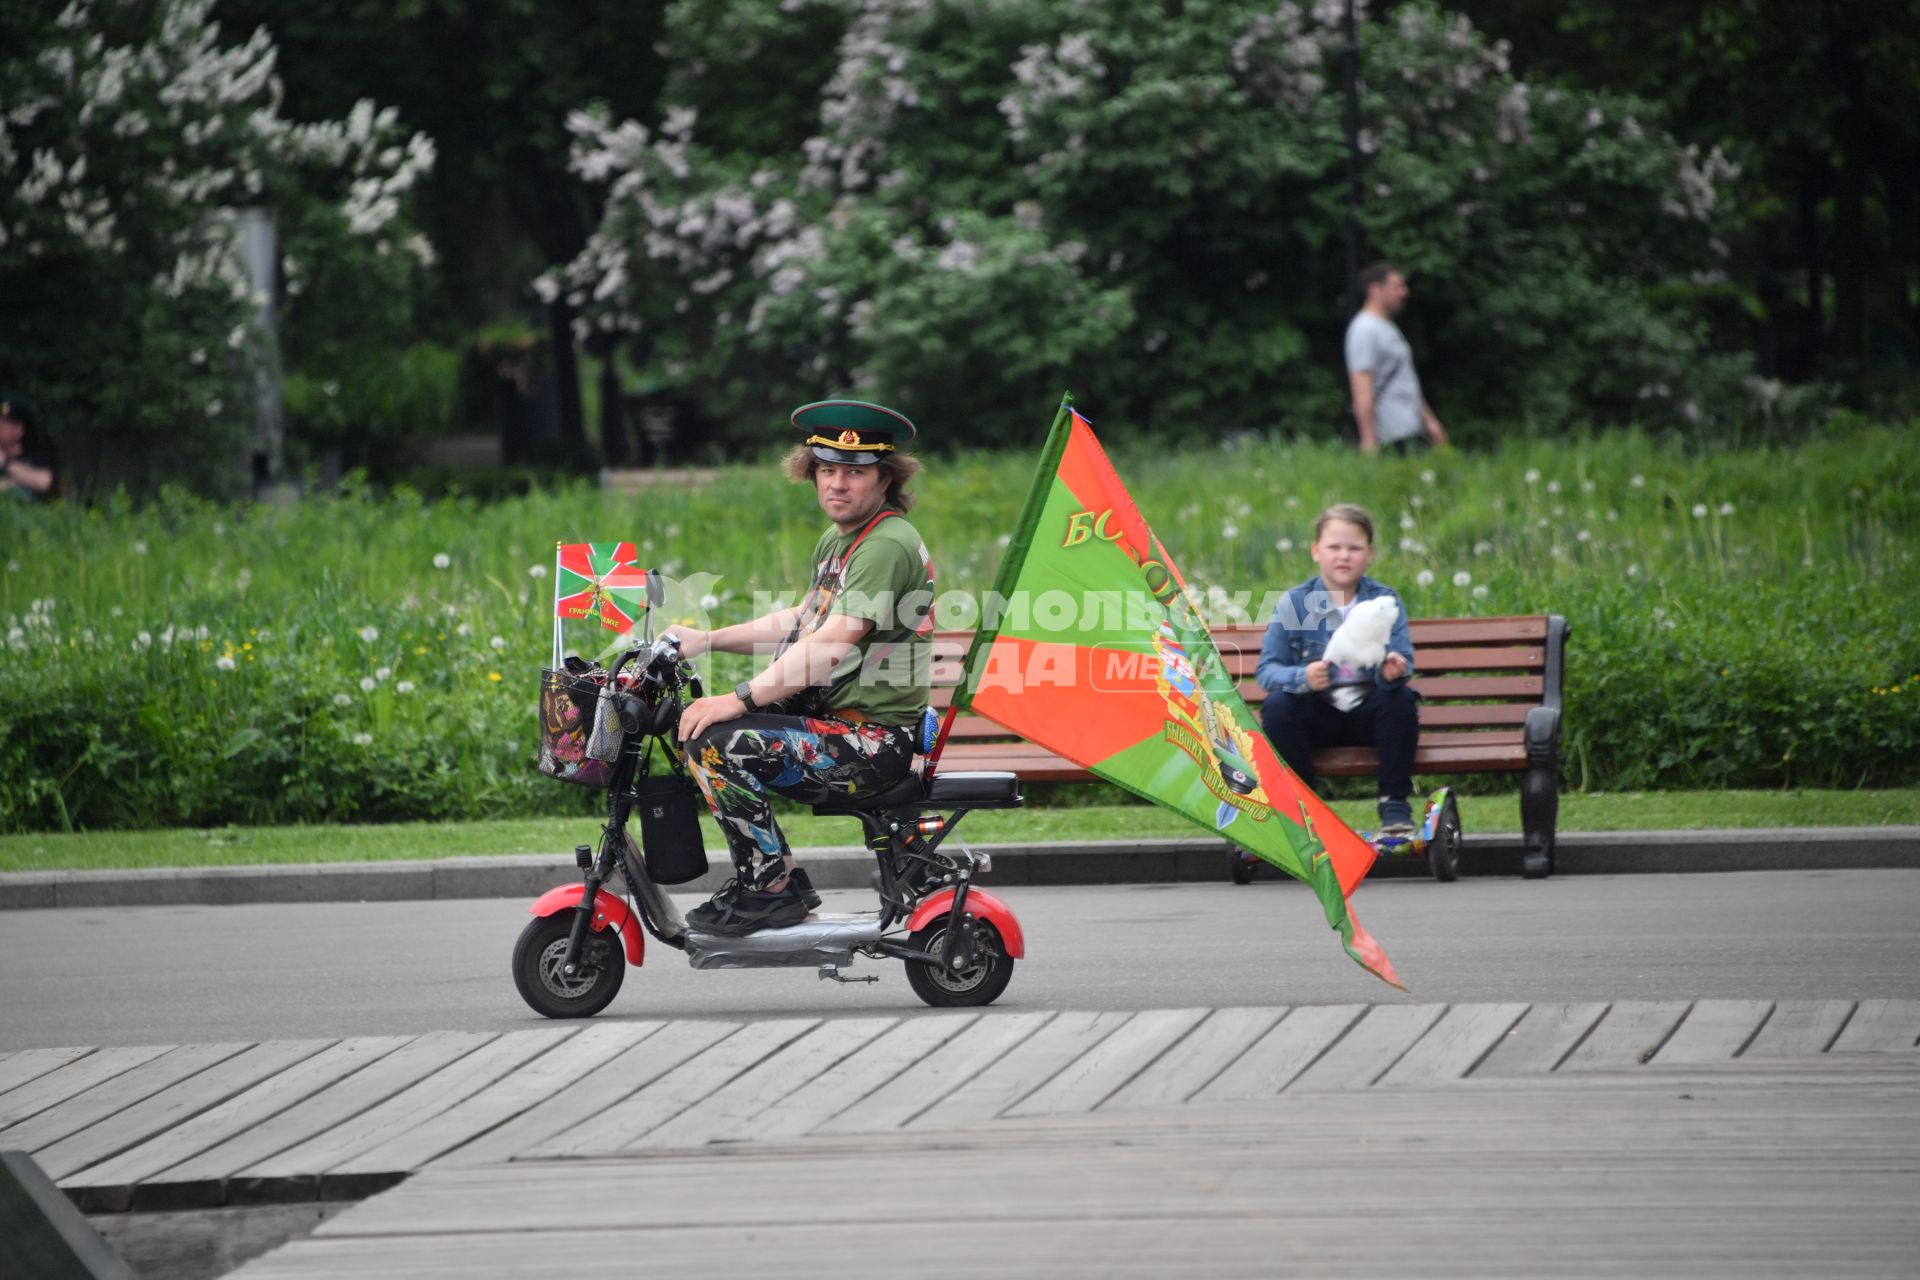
1301,627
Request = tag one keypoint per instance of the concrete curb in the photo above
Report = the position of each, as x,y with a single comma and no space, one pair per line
848,867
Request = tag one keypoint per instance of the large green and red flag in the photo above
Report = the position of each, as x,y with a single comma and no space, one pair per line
1100,654
599,579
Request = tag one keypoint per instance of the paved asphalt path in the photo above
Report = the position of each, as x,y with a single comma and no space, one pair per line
169,975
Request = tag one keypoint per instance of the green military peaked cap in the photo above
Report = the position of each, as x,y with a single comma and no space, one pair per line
851,431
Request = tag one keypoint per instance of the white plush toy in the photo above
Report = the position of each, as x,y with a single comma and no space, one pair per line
1360,643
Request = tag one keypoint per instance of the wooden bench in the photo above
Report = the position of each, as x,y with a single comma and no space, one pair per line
1490,703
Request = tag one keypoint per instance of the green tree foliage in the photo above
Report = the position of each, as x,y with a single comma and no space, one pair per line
961,204
132,137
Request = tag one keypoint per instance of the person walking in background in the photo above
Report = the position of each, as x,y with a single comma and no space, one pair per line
1387,404
24,472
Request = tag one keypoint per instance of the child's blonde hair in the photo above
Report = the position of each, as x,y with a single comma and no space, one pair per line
1352,513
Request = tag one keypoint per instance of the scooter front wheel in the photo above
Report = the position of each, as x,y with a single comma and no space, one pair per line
539,961
979,983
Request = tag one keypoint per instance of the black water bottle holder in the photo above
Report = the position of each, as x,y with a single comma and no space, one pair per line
670,839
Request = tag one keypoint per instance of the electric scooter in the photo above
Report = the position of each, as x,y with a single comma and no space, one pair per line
958,942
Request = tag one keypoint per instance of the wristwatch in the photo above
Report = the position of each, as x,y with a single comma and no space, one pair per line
745,694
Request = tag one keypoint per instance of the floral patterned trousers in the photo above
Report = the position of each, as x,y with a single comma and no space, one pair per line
741,763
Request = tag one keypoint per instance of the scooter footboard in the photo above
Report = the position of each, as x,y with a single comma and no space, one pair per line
982,905
608,912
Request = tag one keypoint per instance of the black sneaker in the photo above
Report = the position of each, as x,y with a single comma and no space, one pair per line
1396,818
749,911
716,907
800,877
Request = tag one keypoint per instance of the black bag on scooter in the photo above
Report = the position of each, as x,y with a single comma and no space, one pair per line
670,840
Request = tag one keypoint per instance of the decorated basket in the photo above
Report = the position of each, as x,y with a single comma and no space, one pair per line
590,580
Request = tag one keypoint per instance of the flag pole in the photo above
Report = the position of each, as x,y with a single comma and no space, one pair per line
1023,526
556,605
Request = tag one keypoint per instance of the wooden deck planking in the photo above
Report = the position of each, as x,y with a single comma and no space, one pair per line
1780,1177
23,1065
240,1113
418,1103
974,1050
116,1094
172,1106
1800,1027
666,1097
585,1098
767,1084
1881,1026
1714,1030
1026,1067
1271,1062
1097,1074
412,1062
852,1080
516,1092
1464,1034
57,1086
1204,1053
1369,1048
1539,1040
1627,1036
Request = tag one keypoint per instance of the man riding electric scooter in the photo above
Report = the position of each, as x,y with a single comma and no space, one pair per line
835,713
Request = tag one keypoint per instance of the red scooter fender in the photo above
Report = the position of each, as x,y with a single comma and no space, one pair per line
981,904
607,911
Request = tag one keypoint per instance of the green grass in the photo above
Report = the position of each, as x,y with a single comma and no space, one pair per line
1740,618
241,846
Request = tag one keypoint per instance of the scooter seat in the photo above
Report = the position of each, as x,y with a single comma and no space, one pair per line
904,794
975,790
969,790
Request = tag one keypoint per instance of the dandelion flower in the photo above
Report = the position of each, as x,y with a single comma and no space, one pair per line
1004,539
342,700
1407,521
1284,544
224,662
379,673
368,684
369,634
1638,482
494,676
1699,510
1553,486
1463,579
1480,592
537,571
1726,508
13,566
140,547
709,601
1416,501
1424,577
1229,530
498,643
1584,535
1586,486
1633,571
404,687
463,630
144,640
1482,548
362,739
1532,476
1427,477
442,560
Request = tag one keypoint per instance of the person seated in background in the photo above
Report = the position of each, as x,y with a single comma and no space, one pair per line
1300,713
24,472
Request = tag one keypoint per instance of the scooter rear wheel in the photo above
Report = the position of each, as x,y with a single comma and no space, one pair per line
979,984
541,953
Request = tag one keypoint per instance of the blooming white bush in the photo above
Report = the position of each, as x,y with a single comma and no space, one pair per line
133,135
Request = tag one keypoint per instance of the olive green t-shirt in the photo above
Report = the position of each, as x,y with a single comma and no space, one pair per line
888,582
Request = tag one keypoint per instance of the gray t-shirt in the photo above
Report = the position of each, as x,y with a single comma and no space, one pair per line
1376,346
